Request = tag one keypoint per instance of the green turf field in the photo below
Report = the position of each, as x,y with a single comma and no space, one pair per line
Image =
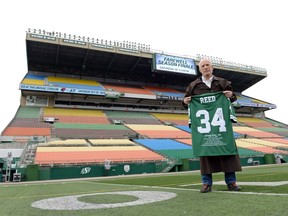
151,194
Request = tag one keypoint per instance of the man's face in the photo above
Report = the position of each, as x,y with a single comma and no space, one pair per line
206,68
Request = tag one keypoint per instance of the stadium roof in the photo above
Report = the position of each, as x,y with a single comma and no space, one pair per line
50,53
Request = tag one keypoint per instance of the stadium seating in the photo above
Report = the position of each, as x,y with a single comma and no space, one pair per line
31,79
254,122
74,155
170,148
65,143
132,117
128,89
111,142
161,131
252,144
117,109
26,123
66,82
164,91
178,119
254,132
158,131
76,115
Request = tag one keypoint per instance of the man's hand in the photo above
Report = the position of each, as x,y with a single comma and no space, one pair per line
187,100
228,94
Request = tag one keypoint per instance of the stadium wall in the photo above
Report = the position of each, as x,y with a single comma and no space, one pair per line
35,172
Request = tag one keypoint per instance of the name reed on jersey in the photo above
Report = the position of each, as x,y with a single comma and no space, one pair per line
208,99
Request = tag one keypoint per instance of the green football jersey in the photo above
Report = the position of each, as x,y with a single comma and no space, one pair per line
211,127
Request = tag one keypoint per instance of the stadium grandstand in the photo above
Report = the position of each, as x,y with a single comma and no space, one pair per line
91,107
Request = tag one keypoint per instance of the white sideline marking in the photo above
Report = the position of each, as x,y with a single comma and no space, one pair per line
270,184
232,192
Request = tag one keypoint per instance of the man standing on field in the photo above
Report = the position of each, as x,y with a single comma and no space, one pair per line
227,163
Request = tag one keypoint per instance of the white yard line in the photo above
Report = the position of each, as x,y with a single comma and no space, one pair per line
231,192
271,184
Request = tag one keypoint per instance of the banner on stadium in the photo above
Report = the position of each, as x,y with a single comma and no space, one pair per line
173,64
61,89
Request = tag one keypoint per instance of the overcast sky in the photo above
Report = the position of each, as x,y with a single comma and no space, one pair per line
247,32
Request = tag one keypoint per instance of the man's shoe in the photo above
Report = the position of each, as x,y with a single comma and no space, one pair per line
206,188
233,187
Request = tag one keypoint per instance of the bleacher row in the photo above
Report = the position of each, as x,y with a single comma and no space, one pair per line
88,84
85,84
90,136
